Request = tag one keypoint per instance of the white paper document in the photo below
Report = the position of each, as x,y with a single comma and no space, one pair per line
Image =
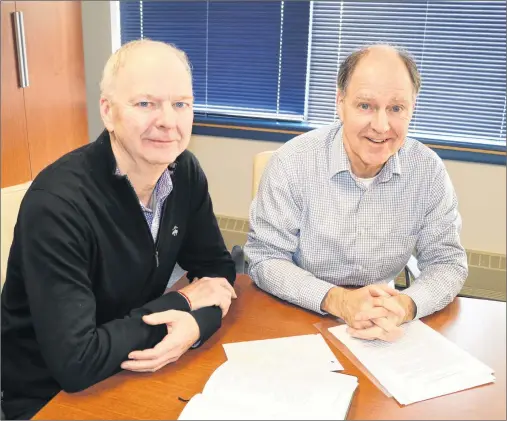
265,391
421,365
303,350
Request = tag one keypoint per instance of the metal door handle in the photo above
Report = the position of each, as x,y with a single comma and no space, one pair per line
19,28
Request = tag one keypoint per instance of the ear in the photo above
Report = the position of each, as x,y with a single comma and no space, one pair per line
414,103
106,113
340,96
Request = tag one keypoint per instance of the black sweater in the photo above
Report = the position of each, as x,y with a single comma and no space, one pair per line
83,269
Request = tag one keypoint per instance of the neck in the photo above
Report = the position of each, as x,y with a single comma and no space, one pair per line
142,175
361,170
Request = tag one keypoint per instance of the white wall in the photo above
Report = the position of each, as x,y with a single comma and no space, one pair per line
97,44
480,188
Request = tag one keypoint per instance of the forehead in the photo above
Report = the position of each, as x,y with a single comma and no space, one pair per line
158,73
381,75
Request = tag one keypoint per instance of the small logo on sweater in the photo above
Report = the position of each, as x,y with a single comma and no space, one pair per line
175,230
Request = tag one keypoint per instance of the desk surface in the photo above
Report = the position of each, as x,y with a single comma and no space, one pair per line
478,326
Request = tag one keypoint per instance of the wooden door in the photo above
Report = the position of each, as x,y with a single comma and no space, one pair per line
55,101
14,150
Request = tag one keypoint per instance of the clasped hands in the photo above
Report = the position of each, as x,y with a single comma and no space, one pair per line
182,328
371,312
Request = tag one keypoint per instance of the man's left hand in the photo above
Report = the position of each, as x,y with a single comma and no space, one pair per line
182,333
392,312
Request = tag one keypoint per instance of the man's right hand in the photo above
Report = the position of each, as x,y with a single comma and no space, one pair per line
207,292
347,304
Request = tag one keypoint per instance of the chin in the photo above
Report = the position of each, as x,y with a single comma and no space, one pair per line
375,161
162,159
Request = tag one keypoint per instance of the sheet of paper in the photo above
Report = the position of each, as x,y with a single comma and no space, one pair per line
201,407
252,390
303,350
421,365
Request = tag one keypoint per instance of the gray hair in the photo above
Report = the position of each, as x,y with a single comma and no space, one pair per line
118,58
349,64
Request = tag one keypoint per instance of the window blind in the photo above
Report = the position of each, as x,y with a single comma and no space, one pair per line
249,58
459,47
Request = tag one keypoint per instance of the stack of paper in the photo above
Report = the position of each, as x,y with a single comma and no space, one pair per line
284,378
422,365
307,350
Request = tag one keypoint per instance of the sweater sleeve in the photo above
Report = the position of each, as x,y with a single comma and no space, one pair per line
203,251
56,251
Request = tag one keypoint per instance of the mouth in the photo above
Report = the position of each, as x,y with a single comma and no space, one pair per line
377,141
160,142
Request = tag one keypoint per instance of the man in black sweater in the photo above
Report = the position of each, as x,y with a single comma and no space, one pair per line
98,235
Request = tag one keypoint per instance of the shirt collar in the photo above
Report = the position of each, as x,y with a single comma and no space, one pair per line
339,160
162,189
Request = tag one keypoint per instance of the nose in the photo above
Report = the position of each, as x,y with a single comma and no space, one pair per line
167,117
380,122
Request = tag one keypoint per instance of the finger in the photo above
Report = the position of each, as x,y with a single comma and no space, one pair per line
225,283
362,324
161,317
395,307
372,313
386,324
392,332
164,347
368,334
383,290
224,306
143,366
221,300
394,335
169,361
391,305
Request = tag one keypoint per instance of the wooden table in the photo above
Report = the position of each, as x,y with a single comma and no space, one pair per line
477,326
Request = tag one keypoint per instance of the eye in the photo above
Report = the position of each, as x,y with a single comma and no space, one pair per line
396,108
181,104
364,106
144,104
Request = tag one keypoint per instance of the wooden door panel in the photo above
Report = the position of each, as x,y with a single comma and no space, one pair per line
55,101
14,150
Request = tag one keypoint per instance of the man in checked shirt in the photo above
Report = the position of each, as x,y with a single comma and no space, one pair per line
345,206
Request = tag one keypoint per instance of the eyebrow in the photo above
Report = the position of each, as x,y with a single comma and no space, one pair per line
371,98
399,100
186,97
364,98
153,97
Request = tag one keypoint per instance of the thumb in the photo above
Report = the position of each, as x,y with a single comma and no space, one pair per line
381,290
163,317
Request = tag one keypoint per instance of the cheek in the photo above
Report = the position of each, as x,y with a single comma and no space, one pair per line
400,127
357,128
185,122
356,121
138,121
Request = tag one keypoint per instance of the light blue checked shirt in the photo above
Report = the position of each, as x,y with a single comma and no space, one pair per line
314,224
162,190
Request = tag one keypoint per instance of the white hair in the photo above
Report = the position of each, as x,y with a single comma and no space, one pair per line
117,60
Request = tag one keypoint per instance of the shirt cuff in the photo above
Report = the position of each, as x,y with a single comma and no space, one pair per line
312,294
422,299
